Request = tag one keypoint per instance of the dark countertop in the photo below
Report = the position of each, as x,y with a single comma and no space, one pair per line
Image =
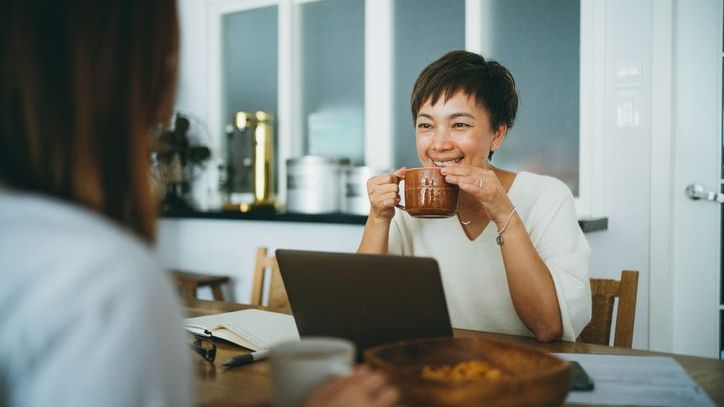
269,214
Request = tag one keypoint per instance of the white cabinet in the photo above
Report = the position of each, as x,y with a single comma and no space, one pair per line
337,75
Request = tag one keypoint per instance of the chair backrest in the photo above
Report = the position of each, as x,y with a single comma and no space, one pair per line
277,293
603,293
187,283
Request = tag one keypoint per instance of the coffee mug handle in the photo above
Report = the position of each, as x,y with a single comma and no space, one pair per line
398,205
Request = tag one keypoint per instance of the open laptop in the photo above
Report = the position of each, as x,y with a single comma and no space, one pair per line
368,299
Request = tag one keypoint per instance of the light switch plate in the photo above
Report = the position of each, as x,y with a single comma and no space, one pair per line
628,76
627,113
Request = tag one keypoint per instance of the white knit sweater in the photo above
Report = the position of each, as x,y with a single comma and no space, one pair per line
473,274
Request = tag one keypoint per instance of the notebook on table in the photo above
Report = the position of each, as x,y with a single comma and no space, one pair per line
253,329
368,299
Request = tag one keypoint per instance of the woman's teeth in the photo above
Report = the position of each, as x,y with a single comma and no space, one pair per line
446,163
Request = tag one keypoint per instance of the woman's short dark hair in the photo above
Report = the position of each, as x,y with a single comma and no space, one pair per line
489,82
82,86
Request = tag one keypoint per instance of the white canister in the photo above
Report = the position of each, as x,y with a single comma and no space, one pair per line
354,193
313,184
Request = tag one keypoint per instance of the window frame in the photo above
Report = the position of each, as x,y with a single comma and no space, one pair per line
378,93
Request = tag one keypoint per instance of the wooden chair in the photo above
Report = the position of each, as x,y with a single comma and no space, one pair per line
187,283
603,293
277,292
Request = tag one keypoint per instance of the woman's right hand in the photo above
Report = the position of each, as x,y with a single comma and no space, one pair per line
383,191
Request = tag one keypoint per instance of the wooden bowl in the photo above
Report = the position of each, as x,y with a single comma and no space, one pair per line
530,377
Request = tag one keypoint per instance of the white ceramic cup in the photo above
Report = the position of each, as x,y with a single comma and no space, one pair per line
299,367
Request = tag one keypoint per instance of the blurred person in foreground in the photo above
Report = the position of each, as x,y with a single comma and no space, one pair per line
87,317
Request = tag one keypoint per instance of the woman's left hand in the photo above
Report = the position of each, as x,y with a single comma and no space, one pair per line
483,185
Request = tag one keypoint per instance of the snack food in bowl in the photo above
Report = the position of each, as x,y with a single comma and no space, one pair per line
471,371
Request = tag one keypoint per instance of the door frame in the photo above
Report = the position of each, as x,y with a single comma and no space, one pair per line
683,300
661,307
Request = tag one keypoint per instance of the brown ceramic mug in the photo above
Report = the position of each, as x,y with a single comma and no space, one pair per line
427,195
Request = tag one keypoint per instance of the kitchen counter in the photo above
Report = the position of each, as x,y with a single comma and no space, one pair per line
264,214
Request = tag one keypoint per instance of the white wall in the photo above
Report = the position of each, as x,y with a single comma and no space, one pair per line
228,246
193,78
627,150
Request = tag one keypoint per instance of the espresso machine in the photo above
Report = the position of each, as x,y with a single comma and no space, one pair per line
249,166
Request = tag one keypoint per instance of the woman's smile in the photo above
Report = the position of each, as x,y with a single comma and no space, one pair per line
444,162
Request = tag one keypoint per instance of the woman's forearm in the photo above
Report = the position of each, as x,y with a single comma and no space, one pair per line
530,283
375,236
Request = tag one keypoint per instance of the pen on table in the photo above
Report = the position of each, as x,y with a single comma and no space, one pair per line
242,360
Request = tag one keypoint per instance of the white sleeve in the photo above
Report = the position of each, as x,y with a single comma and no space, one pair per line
395,241
115,340
564,250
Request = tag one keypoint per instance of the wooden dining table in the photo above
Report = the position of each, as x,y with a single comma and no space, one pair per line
249,385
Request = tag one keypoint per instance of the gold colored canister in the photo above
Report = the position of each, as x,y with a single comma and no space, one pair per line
263,165
243,120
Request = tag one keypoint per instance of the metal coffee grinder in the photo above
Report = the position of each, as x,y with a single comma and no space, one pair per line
249,167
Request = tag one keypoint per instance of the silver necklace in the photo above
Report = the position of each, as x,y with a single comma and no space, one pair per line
465,222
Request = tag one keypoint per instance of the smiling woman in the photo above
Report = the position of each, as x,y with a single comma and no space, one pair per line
514,260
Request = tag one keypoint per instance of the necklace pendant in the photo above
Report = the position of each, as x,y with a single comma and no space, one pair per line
499,240
464,222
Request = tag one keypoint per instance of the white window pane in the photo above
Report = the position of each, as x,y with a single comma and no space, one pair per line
249,54
424,31
332,72
539,42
